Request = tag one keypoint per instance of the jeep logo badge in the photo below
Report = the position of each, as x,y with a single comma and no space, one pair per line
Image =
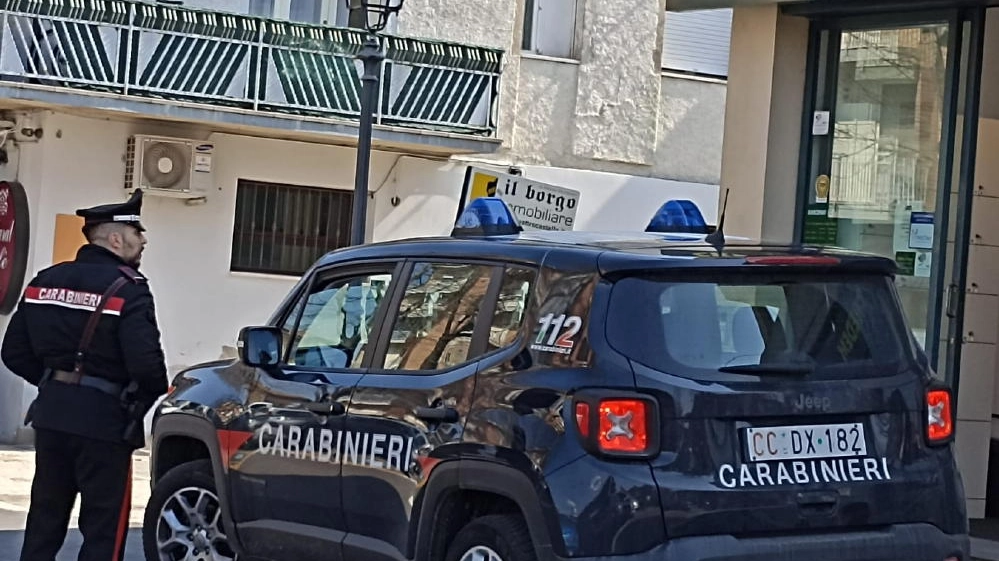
809,403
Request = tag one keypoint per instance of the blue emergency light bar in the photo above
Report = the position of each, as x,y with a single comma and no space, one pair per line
486,216
678,216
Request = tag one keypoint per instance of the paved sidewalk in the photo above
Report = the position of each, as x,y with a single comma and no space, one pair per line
17,467
985,550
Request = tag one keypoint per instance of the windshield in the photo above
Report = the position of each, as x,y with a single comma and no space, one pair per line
768,324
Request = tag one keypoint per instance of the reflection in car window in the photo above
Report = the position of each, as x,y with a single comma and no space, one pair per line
336,322
836,327
436,318
510,304
288,328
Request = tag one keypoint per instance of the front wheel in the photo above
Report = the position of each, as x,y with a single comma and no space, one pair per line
183,518
497,537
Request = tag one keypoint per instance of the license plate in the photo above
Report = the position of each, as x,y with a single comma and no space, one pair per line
806,441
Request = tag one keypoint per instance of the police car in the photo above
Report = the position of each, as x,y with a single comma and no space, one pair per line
500,395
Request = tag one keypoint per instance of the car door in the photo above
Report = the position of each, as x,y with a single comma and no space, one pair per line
408,412
286,482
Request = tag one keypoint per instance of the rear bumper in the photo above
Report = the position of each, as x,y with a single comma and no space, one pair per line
911,542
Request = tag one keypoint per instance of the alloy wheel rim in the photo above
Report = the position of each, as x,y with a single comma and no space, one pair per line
481,553
189,528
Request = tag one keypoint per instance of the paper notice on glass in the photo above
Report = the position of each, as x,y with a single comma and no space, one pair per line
923,265
900,234
921,230
820,123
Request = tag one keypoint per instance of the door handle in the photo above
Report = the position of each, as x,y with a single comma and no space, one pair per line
259,408
952,295
438,414
325,407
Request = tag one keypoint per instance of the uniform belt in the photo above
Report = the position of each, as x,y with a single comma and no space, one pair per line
76,378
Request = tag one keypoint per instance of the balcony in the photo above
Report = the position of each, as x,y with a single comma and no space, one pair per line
226,63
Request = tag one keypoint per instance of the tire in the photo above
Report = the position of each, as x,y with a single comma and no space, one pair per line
497,537
184,514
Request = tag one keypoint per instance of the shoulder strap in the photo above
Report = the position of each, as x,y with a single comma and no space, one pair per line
132,274
95,316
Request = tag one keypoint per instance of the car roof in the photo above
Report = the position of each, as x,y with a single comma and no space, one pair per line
609,251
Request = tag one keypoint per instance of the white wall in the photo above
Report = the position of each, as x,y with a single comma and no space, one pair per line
609,110
616,202
201,304
12,398
429,193
686,129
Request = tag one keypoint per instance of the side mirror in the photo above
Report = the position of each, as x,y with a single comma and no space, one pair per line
260,346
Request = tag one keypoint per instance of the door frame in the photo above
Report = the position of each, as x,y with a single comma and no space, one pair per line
821,81
966,185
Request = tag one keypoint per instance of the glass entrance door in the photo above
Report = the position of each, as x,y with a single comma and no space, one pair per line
881,165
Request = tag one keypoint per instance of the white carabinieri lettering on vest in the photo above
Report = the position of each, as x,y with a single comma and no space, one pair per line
69,298
801,472
377,450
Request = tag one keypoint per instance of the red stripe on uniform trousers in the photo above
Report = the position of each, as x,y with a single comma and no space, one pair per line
126,507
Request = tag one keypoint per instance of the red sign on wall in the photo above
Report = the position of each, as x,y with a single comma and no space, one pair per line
14,232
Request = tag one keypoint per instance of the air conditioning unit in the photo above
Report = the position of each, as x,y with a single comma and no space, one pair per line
169,167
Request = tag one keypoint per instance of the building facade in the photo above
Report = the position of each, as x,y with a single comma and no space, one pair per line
240,119
873,126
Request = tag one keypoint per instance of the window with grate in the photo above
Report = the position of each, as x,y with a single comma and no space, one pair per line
282,229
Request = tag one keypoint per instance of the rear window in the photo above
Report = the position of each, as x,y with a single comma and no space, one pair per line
829,327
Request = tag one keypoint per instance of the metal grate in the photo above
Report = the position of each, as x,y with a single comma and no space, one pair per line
142,49
283,229
130,162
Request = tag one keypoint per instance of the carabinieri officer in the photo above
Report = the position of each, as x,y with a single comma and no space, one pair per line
85,333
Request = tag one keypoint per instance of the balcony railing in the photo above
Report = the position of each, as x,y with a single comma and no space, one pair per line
215,59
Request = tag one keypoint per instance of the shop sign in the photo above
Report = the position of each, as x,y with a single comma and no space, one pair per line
536,205
14,232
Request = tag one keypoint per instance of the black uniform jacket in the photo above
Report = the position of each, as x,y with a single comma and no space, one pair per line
45,332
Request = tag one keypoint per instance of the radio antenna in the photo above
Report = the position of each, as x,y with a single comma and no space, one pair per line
717,238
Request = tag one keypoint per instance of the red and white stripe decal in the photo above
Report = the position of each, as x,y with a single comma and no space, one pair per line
75,299
230,441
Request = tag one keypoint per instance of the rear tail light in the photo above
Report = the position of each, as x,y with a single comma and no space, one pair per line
617,424
939,416
583,419
623,426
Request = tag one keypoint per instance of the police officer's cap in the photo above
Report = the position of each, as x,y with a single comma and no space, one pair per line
125,213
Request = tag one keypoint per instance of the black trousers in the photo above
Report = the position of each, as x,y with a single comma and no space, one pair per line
101,472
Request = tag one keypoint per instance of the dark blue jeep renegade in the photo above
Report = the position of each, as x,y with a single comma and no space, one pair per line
498,396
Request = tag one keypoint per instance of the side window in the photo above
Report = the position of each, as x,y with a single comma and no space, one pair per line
436,318
550,27
336,322
508,318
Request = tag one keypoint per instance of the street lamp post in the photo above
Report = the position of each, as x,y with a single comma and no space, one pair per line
376,13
